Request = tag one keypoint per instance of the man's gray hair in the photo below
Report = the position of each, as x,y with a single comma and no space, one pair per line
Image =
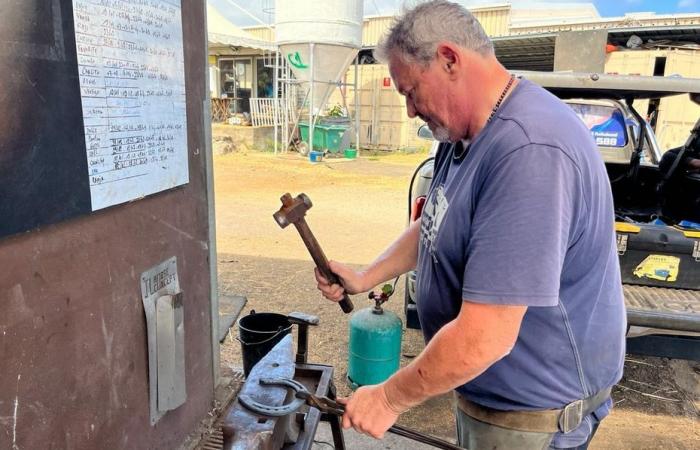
415,35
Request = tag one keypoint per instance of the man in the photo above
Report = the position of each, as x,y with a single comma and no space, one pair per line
519,291
680,185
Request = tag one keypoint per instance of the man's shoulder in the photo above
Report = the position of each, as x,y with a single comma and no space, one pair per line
535,118
540,114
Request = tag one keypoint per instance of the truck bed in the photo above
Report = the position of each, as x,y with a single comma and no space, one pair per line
663,308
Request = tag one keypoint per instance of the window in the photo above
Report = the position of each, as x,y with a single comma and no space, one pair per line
606,123
237,82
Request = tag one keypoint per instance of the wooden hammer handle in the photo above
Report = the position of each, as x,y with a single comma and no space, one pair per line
322,262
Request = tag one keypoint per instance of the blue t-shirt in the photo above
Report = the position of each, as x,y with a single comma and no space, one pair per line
526,218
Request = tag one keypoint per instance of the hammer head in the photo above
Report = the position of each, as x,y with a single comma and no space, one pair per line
292,210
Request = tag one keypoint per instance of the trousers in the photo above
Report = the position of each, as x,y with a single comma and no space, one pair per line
473,434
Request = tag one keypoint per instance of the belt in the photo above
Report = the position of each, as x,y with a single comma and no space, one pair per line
542,421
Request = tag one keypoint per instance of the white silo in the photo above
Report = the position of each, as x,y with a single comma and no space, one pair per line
318,40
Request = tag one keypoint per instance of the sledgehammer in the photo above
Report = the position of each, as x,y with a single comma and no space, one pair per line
293,211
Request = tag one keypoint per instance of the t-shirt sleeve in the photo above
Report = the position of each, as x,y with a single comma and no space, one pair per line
522,226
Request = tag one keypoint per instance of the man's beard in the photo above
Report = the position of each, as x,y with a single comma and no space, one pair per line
441,134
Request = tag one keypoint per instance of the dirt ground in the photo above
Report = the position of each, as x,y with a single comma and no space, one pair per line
359,208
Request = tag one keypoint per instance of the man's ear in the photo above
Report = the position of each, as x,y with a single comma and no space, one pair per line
447,56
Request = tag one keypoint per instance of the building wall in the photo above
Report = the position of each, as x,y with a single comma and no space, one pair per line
676,114
679,113
495,20
629,21
383,120
73,337
262,32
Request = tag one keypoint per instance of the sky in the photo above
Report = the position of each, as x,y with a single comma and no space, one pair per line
262,9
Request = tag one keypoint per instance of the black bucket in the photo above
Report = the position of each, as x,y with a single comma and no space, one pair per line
258,333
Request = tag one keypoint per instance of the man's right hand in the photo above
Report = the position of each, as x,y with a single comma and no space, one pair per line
399,258
351,279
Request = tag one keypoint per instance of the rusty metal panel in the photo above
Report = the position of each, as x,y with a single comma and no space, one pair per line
73,340
580,51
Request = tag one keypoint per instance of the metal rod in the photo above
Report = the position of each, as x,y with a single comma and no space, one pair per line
357,107
285,104
276,94
311,98
424,438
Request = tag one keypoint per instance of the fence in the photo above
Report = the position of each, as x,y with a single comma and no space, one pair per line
263,111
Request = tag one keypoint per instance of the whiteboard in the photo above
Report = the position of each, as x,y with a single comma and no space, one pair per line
132,86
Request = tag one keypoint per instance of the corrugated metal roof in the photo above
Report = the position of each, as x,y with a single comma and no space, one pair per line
536,51
690,33
608,23
526,53
222,33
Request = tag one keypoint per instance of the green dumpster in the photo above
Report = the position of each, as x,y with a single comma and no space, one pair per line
334,135
319,135
326,136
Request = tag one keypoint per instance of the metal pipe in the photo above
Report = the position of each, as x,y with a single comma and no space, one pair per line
285,102
667,321
277,104
357,107
423,438
311,97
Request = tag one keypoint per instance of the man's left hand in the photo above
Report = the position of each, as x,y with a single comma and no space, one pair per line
368,411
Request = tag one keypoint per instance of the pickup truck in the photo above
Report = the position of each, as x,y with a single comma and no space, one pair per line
657,206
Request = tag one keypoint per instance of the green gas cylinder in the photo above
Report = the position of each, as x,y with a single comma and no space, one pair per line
375,345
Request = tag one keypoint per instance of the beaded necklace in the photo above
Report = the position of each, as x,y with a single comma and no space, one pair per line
460,148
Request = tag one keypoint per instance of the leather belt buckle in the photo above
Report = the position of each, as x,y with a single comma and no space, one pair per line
571,416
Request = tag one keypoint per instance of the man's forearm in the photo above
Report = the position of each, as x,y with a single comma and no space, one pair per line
458,353
399,258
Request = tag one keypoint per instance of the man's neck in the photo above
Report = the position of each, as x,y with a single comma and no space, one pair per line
499,90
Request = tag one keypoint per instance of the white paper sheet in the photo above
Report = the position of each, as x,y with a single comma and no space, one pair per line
132,83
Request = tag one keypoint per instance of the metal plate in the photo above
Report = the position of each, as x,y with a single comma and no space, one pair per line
158,281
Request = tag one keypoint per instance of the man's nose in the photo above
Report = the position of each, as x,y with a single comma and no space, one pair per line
410,109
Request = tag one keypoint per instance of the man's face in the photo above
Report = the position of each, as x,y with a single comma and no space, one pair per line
425,94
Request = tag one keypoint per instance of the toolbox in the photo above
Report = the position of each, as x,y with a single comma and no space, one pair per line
658,255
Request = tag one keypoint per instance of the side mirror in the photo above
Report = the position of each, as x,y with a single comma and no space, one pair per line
425,133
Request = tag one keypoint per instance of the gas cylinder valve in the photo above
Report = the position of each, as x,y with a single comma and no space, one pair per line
381,297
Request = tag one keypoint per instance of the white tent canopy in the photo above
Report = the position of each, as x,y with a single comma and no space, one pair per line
222,33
